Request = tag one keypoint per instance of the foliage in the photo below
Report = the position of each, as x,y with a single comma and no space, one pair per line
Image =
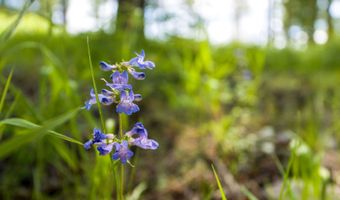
205,104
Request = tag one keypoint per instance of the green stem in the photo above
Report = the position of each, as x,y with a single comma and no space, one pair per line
95,86
122,182
115,176
120,125
121,166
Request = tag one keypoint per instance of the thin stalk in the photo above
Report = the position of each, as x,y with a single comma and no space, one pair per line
120,125
95,86
115,174
133,172
121,192
122,181
4,92
285,178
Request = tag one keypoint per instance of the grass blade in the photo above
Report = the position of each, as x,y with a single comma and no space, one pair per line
29,125
95,86
249,195
17,141
219,183
11,28
65,153
4,92
19,123
64,137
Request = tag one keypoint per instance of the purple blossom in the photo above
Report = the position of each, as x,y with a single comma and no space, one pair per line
119,81
88,144
107,93
139,61
141,140
126,104
98,138
122,152
105,148
121,92
136,75
107,67
105,99
138,97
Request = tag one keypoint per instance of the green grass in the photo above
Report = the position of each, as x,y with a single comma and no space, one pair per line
196,94
223,196
4,92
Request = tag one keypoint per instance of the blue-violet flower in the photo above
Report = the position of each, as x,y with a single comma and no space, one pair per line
141,140
139,61
122,152
126,104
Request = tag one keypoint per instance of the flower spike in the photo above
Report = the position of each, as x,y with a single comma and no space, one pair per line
120,93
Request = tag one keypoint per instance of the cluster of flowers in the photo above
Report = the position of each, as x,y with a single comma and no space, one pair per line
122,94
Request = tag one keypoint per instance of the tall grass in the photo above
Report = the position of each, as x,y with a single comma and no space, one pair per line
198,85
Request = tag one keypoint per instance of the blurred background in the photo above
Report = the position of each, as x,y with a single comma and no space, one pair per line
251,87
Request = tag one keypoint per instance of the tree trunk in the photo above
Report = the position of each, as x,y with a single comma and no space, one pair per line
330,29
270,15
64,4
130,17
313,12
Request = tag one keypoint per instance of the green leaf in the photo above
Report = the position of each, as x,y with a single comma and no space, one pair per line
95,86
34,131
65,153
64,137
219,183
19,123
4,92
11,28
246,192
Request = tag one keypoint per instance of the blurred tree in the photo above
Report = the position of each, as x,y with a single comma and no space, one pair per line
240,8
130,17
46,10
270,16
302,13
64,6
330,25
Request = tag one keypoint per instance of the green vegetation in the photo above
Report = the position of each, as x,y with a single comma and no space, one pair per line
266,118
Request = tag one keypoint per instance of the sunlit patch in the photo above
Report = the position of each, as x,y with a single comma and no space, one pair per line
320,36
335,9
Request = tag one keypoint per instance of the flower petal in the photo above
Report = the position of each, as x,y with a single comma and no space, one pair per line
88,144
105,100
115,156
127,107
107,93
142,53
138,75
105,148
145,143
137,97
106,67
149,64
88,105
98,136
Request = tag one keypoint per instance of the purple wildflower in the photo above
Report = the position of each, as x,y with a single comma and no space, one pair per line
105,148
119,81
136,75
98,138
107,67
122,152
104,98
126,104
139,61
141,140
